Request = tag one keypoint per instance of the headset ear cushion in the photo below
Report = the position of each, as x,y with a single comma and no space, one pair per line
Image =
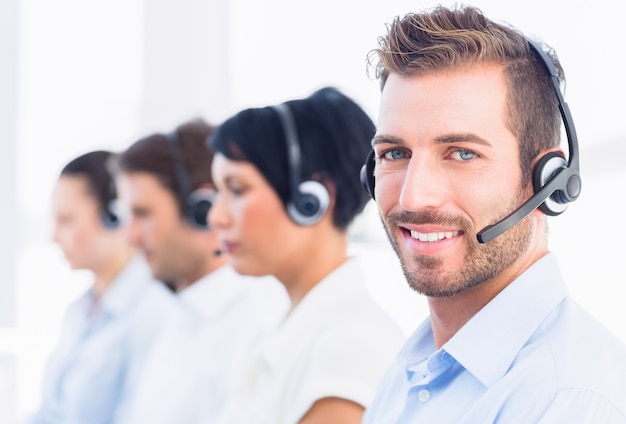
544,171
367,174
197,207
110,220
309,204
110,217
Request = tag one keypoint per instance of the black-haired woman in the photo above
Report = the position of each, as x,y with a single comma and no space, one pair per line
288,189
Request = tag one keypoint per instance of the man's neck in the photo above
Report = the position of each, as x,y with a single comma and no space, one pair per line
105,276
193,277
449,314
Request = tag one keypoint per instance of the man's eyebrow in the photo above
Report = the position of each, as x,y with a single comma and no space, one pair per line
382,138
443,139
462,138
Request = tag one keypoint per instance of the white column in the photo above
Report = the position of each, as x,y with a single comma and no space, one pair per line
8,84
8,122
185,62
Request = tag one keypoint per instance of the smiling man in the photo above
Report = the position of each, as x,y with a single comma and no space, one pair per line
466,165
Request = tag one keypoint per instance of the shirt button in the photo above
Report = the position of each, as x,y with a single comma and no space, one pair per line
423,395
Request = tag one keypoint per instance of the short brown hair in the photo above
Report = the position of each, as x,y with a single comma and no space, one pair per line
443,38
154,154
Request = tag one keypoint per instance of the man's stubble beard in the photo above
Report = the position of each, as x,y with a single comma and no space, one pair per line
482,262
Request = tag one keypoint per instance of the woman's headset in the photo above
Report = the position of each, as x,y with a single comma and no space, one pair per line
309,199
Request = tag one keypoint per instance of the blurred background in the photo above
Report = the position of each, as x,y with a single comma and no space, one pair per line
80,75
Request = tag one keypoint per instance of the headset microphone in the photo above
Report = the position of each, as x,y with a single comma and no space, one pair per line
556,181
565,177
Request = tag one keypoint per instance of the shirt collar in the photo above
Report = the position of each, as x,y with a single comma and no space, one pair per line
506,323
418,346
126,288
311,313
487,344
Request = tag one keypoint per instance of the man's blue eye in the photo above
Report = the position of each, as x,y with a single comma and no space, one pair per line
463,155
394,154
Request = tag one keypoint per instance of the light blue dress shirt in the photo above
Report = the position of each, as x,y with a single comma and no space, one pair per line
99,356
531,355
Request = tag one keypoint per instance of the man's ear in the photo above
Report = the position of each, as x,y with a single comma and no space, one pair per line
330,186
332,193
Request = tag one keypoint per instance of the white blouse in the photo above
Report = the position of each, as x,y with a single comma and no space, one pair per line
337,342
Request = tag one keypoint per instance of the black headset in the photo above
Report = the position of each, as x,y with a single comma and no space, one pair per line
196,203
556,181
110,217
309,199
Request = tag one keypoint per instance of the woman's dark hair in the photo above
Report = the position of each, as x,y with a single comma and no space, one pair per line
95,167
334,134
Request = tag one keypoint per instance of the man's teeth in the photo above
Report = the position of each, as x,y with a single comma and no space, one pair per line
427,237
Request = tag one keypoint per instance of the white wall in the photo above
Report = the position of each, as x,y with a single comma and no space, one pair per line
8,124
101,73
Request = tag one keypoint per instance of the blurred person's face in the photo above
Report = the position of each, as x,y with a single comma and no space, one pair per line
251,219
78,228
157,228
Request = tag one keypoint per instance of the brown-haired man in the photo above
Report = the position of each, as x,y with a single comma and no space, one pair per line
469,114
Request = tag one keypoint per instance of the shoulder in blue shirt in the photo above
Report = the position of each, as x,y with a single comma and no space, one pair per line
98,357
531,355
